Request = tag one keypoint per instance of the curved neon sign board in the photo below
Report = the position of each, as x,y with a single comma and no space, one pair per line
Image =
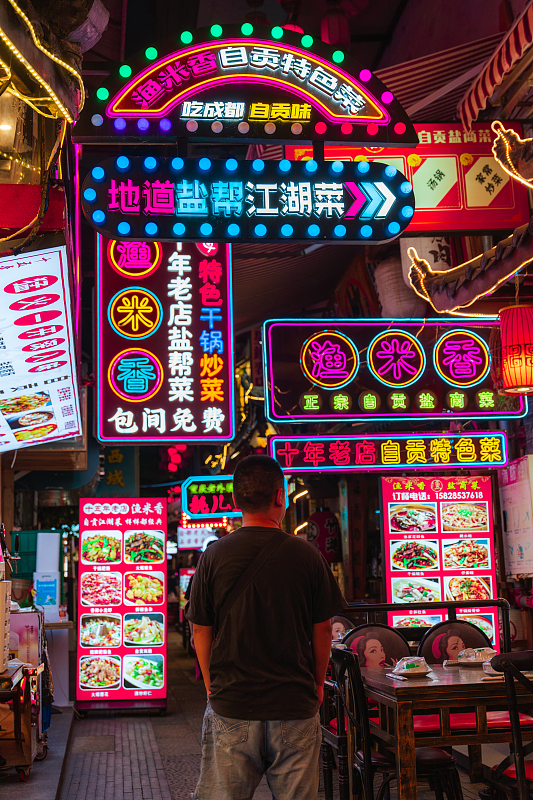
324,86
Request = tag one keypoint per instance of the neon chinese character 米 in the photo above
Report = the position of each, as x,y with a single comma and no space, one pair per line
396,355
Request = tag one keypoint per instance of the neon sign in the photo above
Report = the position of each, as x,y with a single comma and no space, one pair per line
388,451
356,370
257,83
134,198
209,497
177,383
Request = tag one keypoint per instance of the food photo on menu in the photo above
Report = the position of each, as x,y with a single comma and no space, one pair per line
415,517
101,588
465,517
143,672
141,547
416,554
144,629
418,621
24,403
99,672
483,621
466,553
100,630
101,547
415,590
468,587
141,588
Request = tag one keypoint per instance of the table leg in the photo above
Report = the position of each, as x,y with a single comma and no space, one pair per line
405,752
476,763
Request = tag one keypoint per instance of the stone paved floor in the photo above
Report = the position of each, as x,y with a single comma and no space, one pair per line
125,757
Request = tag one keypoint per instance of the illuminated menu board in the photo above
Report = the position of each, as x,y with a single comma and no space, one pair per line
381,369
122,605
164,346
38,384
438,546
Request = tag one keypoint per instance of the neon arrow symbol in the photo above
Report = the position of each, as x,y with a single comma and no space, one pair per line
359,200
376,200
381,200
389,200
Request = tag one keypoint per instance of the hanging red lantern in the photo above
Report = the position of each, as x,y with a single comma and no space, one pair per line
291,26
516,333
335,28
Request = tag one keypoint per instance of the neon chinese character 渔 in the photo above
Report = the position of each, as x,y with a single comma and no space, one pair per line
329,360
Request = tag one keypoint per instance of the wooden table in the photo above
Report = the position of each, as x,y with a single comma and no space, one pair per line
447,689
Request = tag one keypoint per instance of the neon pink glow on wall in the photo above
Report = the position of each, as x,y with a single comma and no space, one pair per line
381,116
77,242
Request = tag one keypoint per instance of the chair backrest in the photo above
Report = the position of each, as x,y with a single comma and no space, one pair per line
347,666
445,640
513,665
377,645
340,627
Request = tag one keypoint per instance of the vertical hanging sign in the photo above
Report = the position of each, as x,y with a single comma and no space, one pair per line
164,342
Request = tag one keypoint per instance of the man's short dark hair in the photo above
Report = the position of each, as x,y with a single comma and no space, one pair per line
255,483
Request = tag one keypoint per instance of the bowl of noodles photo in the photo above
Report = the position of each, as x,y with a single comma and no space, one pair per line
465,517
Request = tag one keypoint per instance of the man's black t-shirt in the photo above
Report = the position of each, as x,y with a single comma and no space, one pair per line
262,660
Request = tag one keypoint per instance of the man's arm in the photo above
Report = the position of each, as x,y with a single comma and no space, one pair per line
203,640
321,651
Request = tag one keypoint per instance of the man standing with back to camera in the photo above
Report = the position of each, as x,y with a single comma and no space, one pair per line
260,607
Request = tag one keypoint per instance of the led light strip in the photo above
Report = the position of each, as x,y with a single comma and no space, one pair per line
52,95
50,55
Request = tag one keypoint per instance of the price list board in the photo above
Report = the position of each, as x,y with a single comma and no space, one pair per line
439,546
122,602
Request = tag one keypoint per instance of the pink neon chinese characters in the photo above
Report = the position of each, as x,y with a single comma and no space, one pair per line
329,360
462,356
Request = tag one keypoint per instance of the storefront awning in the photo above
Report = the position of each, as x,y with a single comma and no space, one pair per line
512,47
430,88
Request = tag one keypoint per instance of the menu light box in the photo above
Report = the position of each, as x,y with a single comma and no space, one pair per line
133,198
389,451
438,546
122,604
344,370
209,497
39,400
164,343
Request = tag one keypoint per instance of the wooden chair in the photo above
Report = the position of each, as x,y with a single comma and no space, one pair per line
334,741
513,777
433,765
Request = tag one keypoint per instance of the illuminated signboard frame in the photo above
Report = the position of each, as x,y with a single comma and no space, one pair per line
338,393
211,483
119,520
244,82
135,198
395,451
189,318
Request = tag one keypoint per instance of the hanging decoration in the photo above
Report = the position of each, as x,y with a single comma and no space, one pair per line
516,332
